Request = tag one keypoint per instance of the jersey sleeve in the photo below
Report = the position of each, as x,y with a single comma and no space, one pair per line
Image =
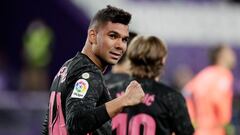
83,114
179,116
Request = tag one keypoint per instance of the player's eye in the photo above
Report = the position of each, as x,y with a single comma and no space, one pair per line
113,36
125,40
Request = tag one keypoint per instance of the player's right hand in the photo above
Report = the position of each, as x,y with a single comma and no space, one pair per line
134,94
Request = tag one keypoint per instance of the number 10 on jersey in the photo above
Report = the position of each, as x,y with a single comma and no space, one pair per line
119,123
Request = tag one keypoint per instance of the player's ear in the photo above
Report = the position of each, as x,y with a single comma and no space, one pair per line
92,35
164,60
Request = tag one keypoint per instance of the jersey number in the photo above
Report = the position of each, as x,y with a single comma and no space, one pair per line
119,123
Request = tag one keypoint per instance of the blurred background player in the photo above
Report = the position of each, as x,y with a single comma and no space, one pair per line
182,74
163,110
209,93
37,43
120,71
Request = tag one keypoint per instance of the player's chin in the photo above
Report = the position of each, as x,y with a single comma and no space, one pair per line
113,61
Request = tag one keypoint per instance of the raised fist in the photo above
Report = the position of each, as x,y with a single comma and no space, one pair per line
134,94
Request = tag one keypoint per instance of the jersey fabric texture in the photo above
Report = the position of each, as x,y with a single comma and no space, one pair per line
162,112
77,98
113,79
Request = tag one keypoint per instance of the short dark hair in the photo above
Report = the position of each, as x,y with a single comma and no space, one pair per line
146,55
110,13
214,53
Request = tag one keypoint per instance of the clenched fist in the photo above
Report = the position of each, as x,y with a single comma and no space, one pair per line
134,94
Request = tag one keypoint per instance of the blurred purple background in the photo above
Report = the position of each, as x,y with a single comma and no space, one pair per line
22,108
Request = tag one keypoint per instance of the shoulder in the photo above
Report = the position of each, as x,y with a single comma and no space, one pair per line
168,94
118,87
114,78
174,101
81,64
82,70
218,74
81,61
165,89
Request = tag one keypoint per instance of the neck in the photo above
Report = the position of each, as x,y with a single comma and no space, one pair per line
87,51
223,65
121,68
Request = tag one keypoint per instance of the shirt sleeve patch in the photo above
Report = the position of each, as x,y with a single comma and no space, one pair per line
80,89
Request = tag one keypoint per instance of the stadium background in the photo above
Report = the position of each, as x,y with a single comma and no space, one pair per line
189,27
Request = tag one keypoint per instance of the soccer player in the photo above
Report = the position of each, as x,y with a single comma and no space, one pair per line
209,93
120,71
79,101
163,110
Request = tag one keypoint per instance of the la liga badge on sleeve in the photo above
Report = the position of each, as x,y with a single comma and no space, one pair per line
80,89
